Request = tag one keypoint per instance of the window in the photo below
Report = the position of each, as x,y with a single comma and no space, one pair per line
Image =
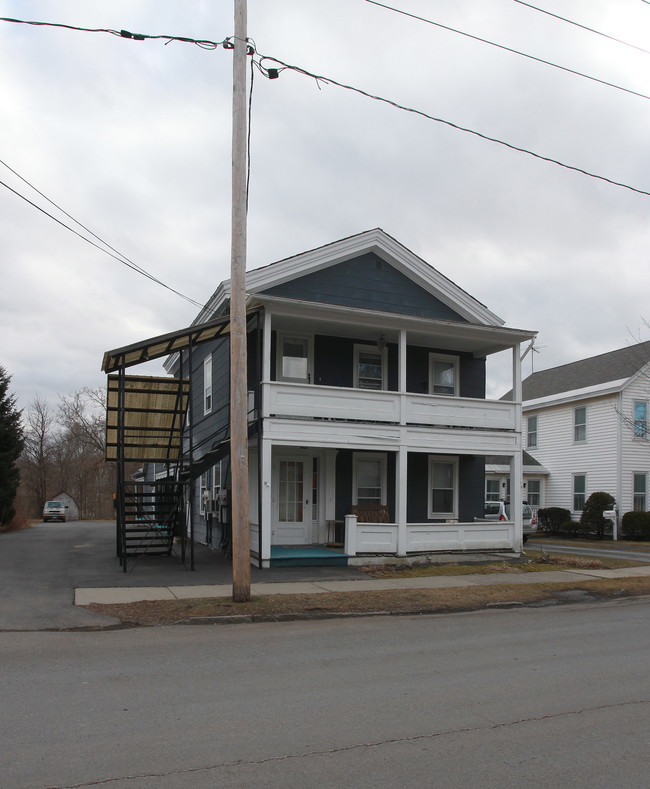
205,492
369,479
531,439
640,419
492,489
443,487
369,367
216,480
443,372
579,491
294,359
207,384
534,492
580,423
640,492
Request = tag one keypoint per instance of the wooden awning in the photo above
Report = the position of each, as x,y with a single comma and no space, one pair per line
153,417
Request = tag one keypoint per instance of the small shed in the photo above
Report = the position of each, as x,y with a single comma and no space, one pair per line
72,510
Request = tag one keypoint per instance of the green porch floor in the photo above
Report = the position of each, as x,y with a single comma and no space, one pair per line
306,556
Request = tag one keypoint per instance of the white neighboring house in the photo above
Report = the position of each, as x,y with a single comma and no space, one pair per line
497,480
587,423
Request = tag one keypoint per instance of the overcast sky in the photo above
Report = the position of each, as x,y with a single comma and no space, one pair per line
132,138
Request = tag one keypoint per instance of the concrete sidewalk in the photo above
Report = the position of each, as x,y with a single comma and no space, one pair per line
126,594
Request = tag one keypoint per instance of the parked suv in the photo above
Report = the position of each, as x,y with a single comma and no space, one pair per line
500,511
54,511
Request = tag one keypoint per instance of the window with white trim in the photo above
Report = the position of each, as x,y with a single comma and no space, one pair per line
534,492
580,423
443,486
369,478
369,367
640,490
443,374
579,492
492,488
205,492
531,432
294,354
640,419
207,384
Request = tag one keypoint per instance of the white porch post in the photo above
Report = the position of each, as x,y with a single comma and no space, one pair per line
266,362
266,522
351,535
402,375
516,461
400,500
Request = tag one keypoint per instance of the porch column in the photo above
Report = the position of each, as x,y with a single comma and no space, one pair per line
266,508
400,500
516,461
402,375
266,361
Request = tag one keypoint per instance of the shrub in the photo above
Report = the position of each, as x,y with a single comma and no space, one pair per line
591,520
552,519
636,525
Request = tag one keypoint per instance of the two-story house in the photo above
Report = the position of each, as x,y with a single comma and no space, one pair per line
586,423
369,421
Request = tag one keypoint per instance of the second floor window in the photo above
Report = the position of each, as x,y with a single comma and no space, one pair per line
294,359
580,423
369,367
531,435
444,375
207,384
640,419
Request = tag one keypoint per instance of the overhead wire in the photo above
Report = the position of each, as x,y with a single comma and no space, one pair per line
318,78
117,256
583,27
510,49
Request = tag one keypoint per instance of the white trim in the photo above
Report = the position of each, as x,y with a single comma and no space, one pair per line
579,424
453,461
359,456
307,338
444,357
576,394
574,475
208,394
359,348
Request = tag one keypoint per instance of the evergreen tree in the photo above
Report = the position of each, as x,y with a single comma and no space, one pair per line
11,444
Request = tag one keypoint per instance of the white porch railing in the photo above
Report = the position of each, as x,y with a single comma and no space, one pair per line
341,403
382,538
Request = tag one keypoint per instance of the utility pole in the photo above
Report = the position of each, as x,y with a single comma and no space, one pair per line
241,568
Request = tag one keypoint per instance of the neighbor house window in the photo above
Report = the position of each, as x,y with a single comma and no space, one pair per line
205,492
640,419
580,423
640,492
216,480
443,373
294,359
531,435
534,492
369,484
369,367
492,487
579,491
207,384
443,487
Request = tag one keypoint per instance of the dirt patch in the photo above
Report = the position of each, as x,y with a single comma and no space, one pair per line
407,601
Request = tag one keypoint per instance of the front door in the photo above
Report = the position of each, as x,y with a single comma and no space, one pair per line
291,502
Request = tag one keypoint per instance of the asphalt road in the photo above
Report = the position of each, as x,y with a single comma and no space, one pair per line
598,550
547,697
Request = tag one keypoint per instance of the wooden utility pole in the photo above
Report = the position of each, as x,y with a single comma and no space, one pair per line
241,568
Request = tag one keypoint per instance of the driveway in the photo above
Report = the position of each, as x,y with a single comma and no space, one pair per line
41,567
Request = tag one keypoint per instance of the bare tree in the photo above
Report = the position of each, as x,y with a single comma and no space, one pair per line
37,462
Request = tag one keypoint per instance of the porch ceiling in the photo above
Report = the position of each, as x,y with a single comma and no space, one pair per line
310,317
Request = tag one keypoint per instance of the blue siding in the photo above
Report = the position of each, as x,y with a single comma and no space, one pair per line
366,282
471,481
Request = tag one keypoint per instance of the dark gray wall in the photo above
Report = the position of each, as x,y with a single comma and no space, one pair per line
366,282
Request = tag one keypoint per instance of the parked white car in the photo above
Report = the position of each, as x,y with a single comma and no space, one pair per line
54,511
500,511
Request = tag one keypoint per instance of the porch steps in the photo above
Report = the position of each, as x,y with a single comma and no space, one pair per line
306,556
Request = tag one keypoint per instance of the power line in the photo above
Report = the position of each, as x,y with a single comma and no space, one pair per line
510,49
119,257
272,73
203,43
583,27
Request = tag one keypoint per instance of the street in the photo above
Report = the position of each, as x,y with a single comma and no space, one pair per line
536,697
